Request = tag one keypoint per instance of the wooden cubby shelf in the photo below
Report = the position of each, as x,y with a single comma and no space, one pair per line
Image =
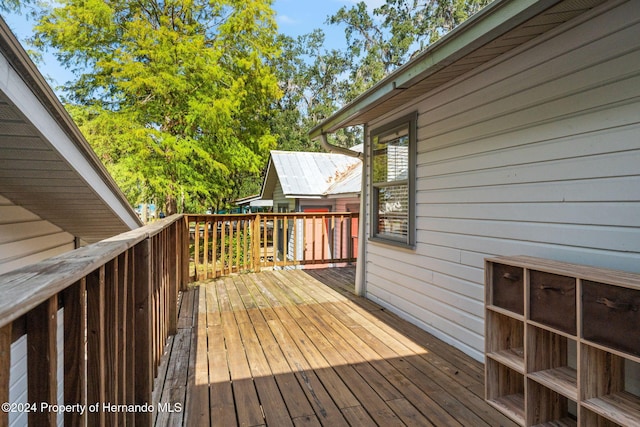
562,346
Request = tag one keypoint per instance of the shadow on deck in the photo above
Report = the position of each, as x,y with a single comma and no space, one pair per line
297,347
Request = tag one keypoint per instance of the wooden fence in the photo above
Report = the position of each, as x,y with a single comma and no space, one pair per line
223,244
119,301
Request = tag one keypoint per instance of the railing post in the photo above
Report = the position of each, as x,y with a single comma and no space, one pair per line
143,330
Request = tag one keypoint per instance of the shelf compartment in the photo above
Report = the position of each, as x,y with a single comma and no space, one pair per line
622,408
562,380
507,287
549,408
552,361
607,387
552,300
505,390
610,316
505,340
589,418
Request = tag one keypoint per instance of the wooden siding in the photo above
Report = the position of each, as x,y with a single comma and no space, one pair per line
279,198
25,238
534,153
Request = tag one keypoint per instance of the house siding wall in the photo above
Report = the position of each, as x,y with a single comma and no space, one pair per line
26,238
536,153
279,199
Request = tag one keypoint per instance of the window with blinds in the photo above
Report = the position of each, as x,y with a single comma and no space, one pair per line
392,177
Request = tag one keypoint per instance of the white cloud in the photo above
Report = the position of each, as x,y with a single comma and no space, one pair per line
286,19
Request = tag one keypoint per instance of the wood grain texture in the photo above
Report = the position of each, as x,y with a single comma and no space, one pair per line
299,348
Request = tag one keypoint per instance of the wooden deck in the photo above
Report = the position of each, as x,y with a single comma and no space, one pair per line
283,348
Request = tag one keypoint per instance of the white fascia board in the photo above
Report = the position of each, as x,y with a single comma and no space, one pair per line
24,99
303,196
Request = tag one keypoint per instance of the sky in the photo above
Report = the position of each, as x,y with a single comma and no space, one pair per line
294,18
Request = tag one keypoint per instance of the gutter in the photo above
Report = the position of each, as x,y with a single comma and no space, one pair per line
338,150
360,285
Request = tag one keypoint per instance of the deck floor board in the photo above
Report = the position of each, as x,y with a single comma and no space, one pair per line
298,348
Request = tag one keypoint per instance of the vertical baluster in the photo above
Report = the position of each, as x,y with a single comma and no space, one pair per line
245,242
42,360
111,304
294,233
230,243
255,242
5,368
223,249
96,345
122,341
214,255
143,330
131,346
174,259
75,381
196,252
237,234
206,247
264,239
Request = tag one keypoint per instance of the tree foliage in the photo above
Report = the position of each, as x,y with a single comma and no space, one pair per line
379,43
174,95
183,99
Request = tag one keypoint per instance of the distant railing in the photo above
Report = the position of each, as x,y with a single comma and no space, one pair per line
223,244
120,304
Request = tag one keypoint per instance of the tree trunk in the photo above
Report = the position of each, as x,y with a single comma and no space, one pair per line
171,205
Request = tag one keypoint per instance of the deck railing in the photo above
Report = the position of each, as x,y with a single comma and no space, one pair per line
223,244
118,300
107,309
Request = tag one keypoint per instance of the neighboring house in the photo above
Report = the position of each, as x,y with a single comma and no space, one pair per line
254,203
55,195
313,182
517,133
54,192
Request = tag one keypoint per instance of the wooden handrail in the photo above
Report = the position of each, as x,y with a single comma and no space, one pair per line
23,289
120,298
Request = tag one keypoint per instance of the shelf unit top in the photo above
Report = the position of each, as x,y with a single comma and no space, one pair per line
595,274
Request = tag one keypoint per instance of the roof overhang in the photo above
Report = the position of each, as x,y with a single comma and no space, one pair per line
495,30
46,165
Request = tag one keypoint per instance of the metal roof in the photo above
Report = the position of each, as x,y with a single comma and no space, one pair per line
310,174
495,30
46,165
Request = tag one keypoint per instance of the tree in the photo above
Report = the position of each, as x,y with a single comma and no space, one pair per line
420,23
378,44
175,96
309,77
